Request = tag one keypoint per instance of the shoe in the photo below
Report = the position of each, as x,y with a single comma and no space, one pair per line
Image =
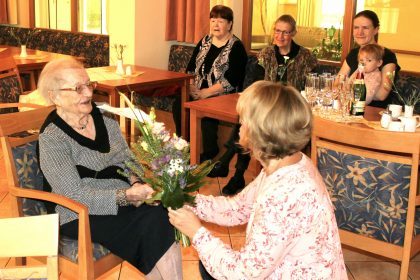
235,185
219,170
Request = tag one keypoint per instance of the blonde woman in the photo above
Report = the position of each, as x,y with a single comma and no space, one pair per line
292,231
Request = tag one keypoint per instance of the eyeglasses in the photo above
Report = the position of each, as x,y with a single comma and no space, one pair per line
79,88
284,32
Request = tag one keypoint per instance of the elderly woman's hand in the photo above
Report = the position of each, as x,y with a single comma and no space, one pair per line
185,221
137,193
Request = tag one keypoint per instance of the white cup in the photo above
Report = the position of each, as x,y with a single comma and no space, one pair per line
410,123
128,70
396,126
396,110
385,120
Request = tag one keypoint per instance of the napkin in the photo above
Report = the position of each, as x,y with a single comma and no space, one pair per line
126,112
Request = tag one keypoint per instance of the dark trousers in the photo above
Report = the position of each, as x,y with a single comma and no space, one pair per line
209,129
140,235
233,147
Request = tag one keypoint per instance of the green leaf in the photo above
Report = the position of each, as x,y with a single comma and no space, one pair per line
173,199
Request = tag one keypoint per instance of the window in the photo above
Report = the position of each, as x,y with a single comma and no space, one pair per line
57,14
319,24
313,16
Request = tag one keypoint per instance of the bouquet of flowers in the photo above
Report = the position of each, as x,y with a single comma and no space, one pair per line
163,161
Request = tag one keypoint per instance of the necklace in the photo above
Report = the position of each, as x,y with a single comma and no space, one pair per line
83,126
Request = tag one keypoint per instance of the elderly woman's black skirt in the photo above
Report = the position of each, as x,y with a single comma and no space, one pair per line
140,235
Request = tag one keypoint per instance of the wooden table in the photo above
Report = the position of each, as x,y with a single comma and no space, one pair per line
221,108
224,108
149,78
34,62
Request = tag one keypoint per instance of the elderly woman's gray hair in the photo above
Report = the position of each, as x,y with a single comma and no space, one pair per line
53,76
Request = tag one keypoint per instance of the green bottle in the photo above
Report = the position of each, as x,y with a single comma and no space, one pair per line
359,91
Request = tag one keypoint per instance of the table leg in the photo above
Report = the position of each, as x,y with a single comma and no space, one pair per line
195,136
184,112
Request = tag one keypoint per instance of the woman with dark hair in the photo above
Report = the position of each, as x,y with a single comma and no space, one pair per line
218,64
292,232
365,31
284,61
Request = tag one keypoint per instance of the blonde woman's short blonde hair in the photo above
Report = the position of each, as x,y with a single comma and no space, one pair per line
276,119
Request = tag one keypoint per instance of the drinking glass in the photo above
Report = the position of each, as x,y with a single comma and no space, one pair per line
310,88
326,88
346,99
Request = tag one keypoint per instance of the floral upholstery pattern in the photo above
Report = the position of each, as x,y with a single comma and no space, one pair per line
93,47
68,247
179,56
30,176
369,195
163,103
9,92
162,98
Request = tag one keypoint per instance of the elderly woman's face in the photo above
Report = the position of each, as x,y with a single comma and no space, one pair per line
283,34
220,27
363,31
75,94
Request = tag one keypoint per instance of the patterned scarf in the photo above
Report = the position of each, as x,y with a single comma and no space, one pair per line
220,64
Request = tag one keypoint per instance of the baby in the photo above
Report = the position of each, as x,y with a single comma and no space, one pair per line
370,56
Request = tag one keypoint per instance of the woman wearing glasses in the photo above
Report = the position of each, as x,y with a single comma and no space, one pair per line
82,153
285,54
284,61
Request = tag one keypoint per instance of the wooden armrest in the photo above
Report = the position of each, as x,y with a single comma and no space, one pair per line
84,241
51,197
17,105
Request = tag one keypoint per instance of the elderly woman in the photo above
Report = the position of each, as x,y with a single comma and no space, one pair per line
81,153
218,63
365,31
283,61
291,232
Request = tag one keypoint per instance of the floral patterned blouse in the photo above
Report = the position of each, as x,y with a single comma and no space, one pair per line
291,232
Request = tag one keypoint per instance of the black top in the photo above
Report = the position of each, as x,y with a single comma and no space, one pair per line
237,61
389,57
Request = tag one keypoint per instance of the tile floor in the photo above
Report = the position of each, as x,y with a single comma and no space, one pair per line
360,266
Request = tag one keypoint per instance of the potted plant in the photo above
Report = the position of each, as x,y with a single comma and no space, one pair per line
119,50
23,39
409,101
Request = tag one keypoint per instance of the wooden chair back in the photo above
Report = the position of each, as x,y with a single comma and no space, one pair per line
20,129
15,241
10,82
372,178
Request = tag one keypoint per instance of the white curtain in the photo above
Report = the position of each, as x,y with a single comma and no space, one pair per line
305,14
